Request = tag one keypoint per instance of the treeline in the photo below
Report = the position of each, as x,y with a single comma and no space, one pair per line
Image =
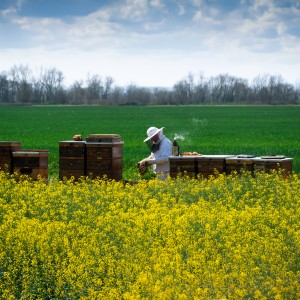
19,86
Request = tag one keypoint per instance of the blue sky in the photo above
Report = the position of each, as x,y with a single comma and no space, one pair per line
152,42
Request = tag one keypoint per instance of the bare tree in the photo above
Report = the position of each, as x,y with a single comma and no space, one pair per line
108,83
280,91
222,88
184,90
37,90
77,93
94,89
117,95
14,79
137,95
52,85
4,88
201,93
241,91
161,96
260,89
24,90
18,85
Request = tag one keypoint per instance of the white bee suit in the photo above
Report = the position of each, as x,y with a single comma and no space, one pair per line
159,159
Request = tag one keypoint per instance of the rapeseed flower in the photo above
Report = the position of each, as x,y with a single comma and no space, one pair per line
229,237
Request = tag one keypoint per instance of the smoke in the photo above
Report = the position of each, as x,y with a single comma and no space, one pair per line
179,137
201,122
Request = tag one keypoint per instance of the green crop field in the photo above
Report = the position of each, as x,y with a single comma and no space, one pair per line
257,130
229,237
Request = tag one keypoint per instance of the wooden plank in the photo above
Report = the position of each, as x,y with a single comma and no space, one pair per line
238,164
98,151
269,165
72,149
103,138
72,163
181,164
30,158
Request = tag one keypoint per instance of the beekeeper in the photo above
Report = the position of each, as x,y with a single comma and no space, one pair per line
161,149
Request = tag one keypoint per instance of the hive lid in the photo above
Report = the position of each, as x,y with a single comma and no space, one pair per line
273,157
216,156
246,156
31,153
103,138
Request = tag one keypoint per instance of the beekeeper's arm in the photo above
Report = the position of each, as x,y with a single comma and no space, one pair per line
159,160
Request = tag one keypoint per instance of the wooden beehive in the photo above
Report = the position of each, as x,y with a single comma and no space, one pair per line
238,164
33,163
6,155
270,163
103,138
72,159
104,159
183,165
211,164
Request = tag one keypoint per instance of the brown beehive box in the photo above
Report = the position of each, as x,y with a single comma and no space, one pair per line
98,151
103,138
269,163
72,159
105,168
183,165
71,163
212,164
99,164
72,149
6,157
33,163
69,173
9,147
239,164
104,159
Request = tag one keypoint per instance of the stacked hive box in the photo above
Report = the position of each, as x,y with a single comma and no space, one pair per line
72,159
206,165
104,156
194,166
259,164
33,163
269,163
238,164
6,155
100,155
183,165
212,164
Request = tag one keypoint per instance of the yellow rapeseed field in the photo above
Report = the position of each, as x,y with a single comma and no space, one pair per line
230,237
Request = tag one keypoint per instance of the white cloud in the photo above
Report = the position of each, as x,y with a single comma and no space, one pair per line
12,10
37,24
181,9
134,9
157,3
208,17
150,26
6,13
136,41
19,4
197,3
154,68
281,28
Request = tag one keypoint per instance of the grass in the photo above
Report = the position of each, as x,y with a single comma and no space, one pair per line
230,237
258,130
